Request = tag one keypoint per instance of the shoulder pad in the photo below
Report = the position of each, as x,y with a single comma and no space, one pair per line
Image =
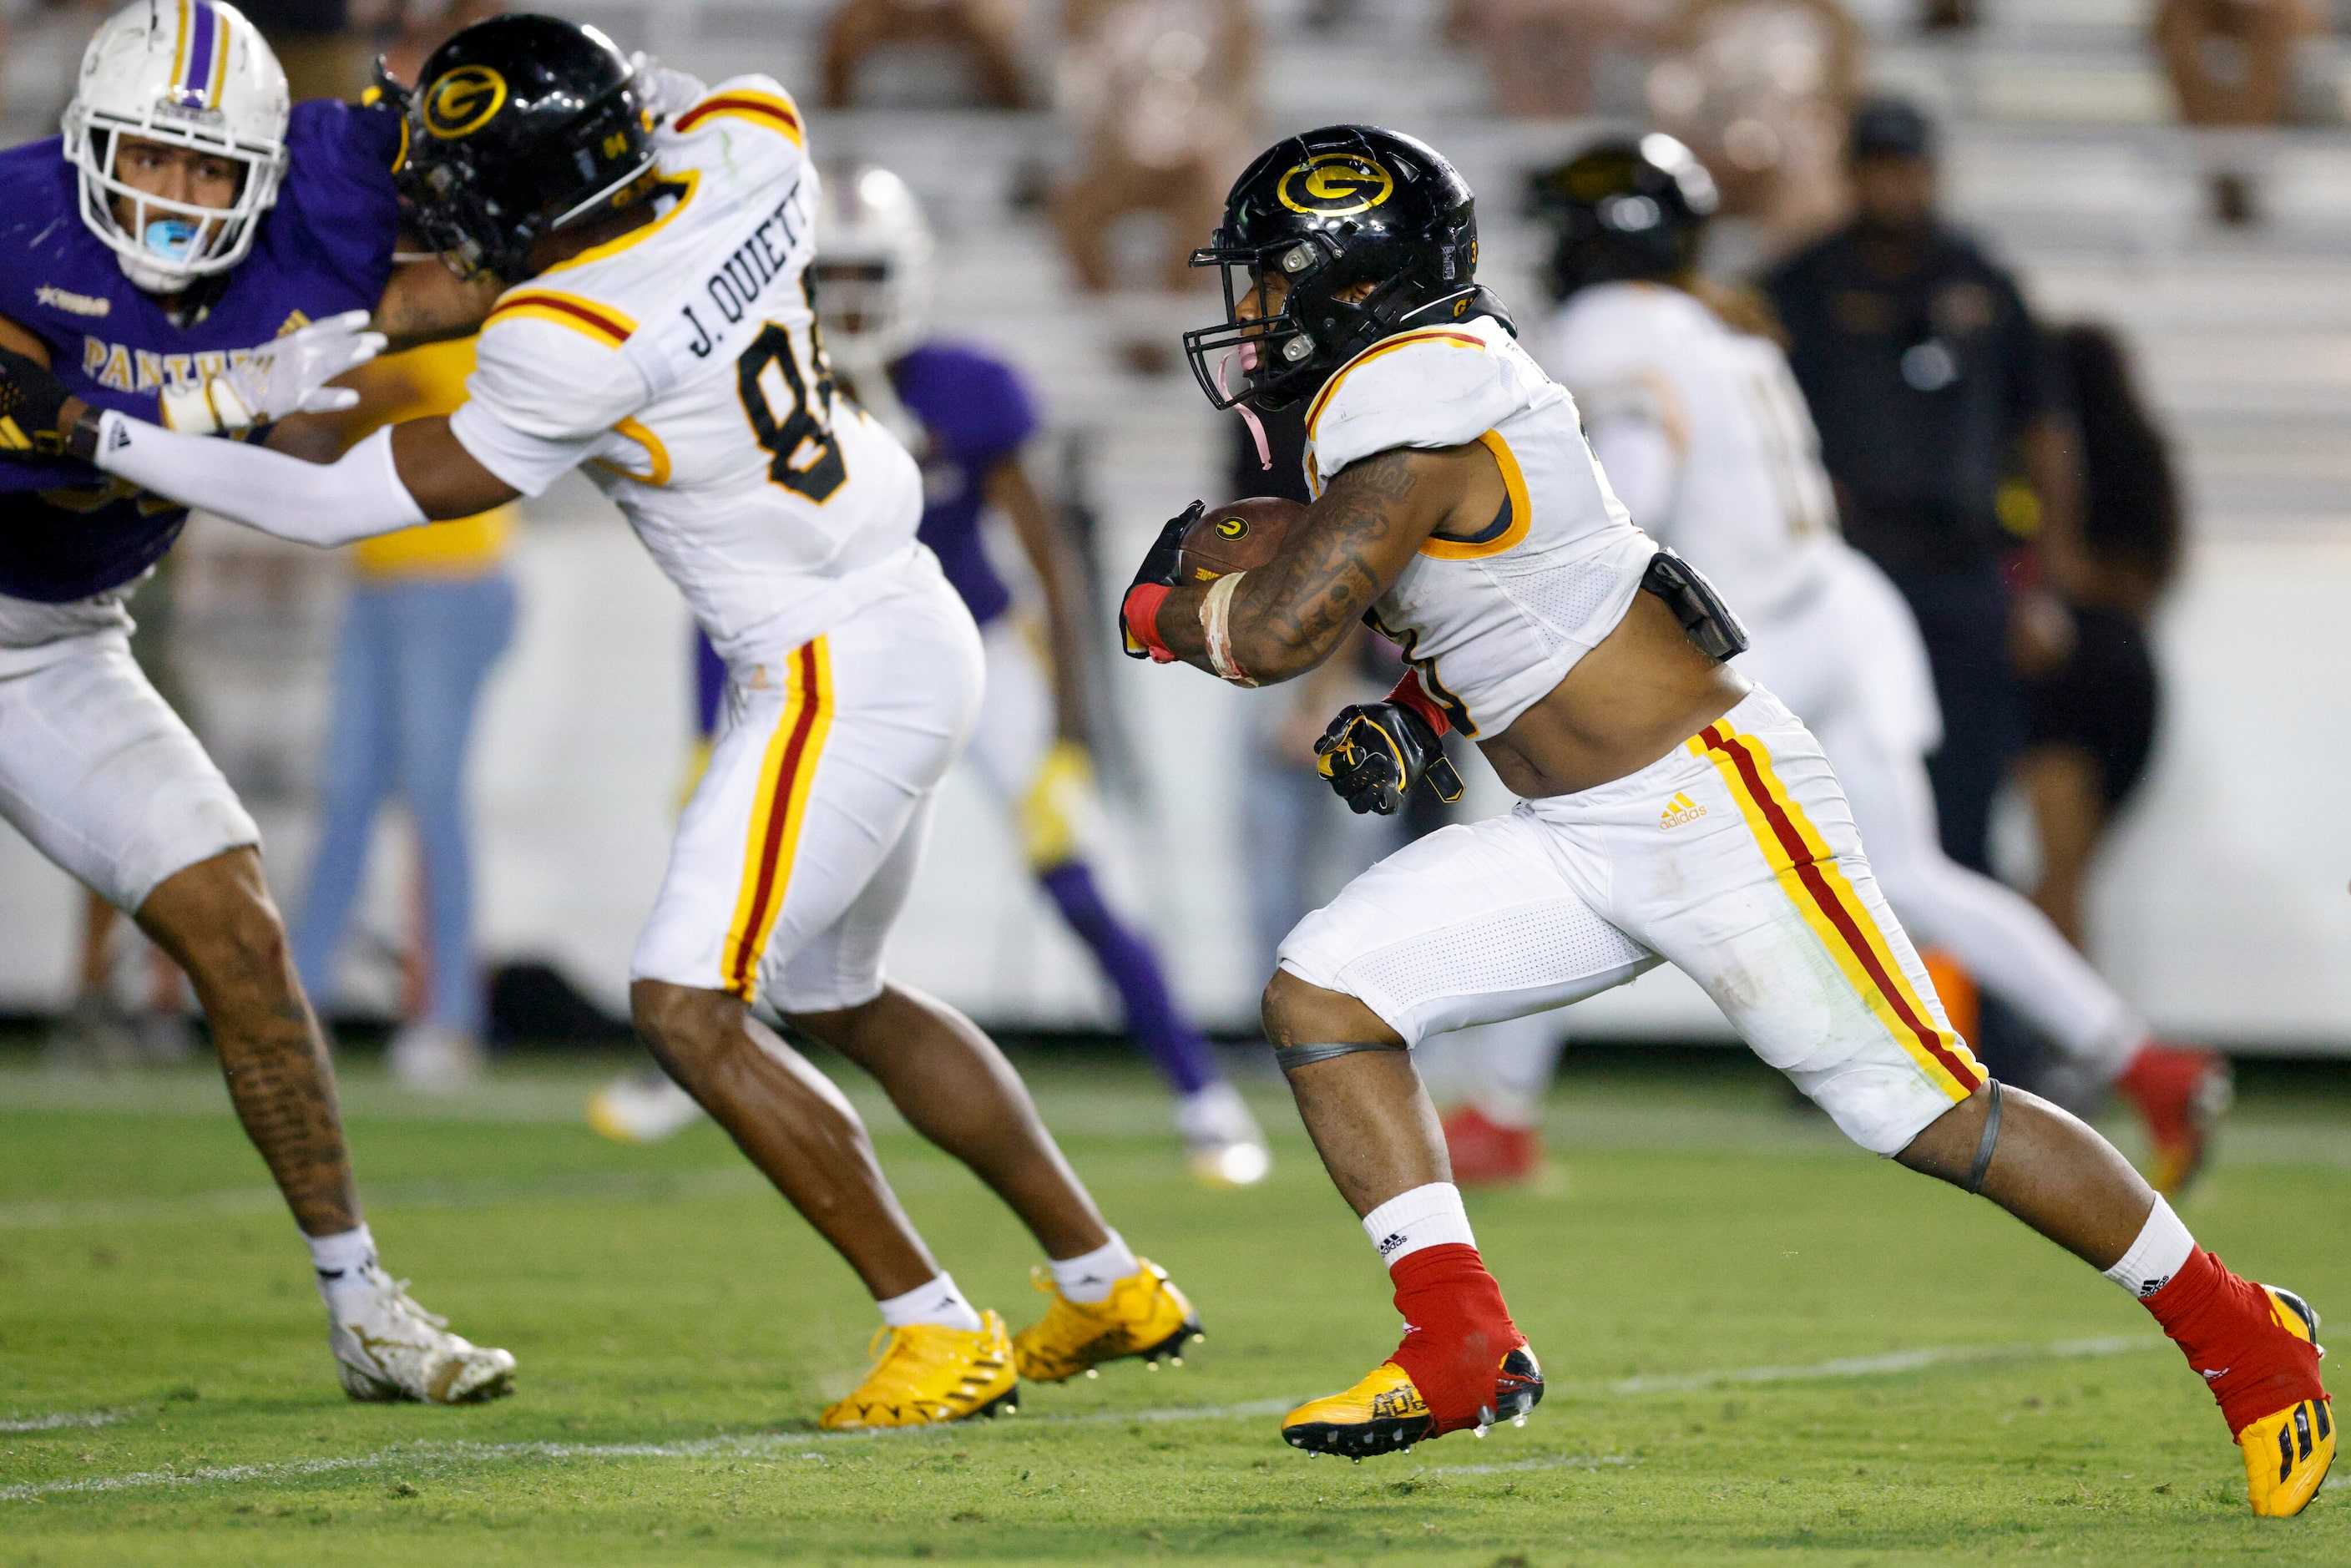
1440,386
550,363
755,100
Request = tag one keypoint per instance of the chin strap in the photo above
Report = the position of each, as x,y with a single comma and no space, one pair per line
1988,1142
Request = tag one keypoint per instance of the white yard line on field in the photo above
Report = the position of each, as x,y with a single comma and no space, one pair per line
1893,1361
808,1446
1550,1462
52,1423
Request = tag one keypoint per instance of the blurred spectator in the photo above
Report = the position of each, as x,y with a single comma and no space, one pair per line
2091,719
431,612
322,45
2231,64
1758,90
984,32
1930,384
41,43
1161,96
1550,57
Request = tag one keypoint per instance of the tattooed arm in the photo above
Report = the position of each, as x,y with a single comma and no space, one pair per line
1293,612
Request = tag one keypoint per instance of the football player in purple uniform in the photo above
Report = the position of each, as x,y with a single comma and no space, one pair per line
967,415
163,258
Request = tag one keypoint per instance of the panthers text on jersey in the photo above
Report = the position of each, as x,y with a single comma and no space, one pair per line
680,363
67,531
1742,494
1493,619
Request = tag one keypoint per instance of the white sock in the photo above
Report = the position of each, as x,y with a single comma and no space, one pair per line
2161,1250
1428,1216
937,1302
1089,1277
340,1260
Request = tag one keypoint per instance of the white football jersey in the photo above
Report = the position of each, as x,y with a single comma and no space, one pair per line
1493,619
1745,497
680,364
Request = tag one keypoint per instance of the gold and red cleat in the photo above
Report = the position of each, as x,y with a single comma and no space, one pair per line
2180,1092
2289,1451
1485,1153
1144,1315
1385,1413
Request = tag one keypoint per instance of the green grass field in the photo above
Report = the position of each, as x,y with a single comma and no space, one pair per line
1762,1345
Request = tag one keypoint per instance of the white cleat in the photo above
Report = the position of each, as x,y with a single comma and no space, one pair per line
389,1350
433,1058
642,1108
1222,1142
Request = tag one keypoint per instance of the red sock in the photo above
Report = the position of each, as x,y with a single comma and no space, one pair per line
1456,1331
2223,1323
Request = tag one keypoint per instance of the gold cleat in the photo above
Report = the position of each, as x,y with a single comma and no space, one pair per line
1385,1414
2288,1454
1143,1315
925,1373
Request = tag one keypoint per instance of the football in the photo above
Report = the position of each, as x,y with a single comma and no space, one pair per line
1235,537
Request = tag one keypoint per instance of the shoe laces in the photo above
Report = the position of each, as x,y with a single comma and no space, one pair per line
393,1294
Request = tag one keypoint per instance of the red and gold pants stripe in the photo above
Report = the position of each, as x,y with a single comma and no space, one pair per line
778,811
1807,871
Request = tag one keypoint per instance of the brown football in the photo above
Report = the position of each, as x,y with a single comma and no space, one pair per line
1236,536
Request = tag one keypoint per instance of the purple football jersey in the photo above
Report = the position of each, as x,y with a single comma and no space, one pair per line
67,530
975,412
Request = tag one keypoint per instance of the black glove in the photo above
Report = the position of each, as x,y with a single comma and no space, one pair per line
1373,753
31,398
1141,605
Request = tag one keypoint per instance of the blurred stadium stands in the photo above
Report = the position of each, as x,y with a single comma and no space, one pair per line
2222,910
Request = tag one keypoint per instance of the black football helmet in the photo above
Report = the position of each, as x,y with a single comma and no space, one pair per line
1625,207
519,126
1327,209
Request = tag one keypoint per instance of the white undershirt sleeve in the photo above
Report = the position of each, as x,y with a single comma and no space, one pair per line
357,498
1643,468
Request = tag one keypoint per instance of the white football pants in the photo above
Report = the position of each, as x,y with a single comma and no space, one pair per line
95,769
1851,665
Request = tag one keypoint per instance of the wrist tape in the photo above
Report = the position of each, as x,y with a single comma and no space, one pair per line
1217,626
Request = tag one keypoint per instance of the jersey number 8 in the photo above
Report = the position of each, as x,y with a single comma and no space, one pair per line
804,455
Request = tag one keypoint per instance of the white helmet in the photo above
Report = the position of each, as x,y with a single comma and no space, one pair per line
873,267
190,73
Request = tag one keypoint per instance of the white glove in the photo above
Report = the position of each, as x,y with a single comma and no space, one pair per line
287,376
666,91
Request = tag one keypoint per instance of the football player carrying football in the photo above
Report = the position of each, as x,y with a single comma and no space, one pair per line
1704,436
1668,809
163,256
653,237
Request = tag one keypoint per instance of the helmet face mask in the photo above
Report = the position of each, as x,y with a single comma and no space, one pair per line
1329,212
196,77
522,126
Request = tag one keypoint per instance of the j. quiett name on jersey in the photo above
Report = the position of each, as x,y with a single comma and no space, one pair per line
747,271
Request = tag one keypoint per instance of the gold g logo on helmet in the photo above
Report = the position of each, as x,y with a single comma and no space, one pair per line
1333,185
463,101
1232,528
